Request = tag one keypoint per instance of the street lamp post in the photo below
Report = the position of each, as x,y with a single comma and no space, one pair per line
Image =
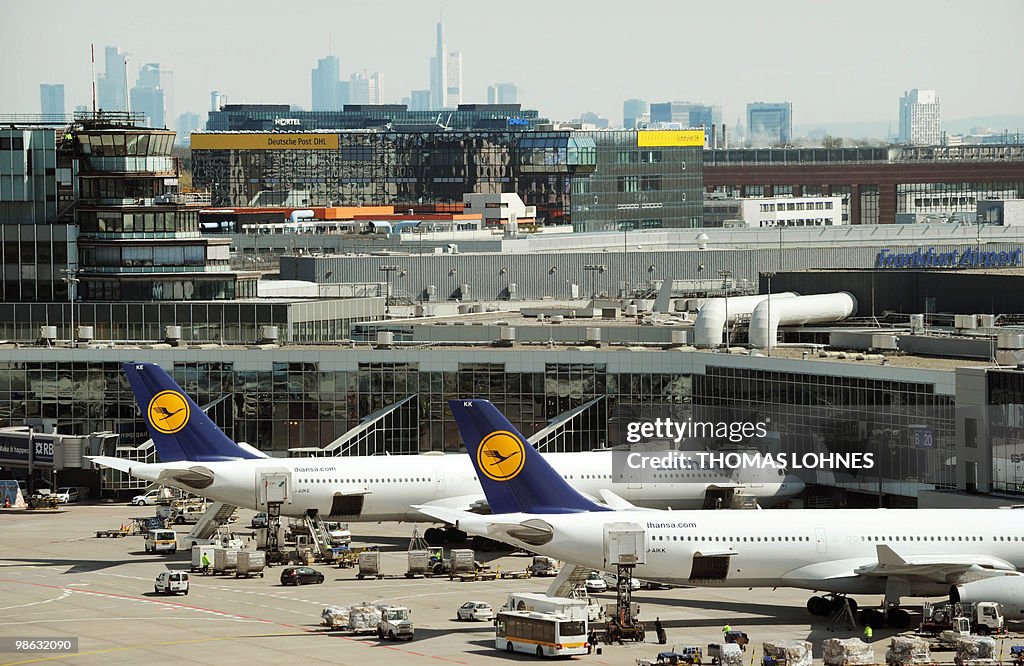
388,270
771,337
726,274
70,278
594,268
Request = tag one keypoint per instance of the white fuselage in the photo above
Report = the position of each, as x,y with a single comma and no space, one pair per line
386,487
817,549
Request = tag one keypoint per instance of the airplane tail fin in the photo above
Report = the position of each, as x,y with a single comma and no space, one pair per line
180,429
515,478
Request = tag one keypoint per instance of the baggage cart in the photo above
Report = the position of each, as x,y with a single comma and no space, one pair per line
250,563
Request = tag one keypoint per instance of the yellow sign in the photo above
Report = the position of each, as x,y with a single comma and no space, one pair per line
268,141
168,412
655,138
501,456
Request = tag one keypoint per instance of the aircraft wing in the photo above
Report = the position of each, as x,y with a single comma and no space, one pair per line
194,476
941,568
475,503
617,503
531,530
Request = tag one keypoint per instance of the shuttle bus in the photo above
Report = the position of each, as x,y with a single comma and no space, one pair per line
542,634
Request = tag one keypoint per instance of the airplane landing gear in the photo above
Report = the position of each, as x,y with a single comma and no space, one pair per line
440,536
830,605
893,616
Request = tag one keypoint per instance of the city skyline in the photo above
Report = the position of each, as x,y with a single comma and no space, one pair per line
873,62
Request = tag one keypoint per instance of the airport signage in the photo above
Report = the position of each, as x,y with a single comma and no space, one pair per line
693,138
16,449
264,141
932,258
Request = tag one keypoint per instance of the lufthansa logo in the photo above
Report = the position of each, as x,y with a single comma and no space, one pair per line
501,456
168,412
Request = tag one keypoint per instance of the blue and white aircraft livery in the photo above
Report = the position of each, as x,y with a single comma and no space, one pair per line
972,555
196,456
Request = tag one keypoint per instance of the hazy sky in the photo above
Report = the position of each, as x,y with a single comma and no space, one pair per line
836,61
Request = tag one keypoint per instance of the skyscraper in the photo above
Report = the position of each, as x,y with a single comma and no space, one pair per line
919,118
632,110
51,98
366,88
187,123
419,100
327,85
112,85
439,72
769,124
503,93
151,94
454,79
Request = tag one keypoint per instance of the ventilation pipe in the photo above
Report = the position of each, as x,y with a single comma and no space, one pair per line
709,327
817,309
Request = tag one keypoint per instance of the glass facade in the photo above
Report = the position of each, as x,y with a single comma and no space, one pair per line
638,188
831,414
268,117
592,179
1006,429
295,399
403,168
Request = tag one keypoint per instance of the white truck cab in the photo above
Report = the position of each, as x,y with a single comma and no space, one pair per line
395,623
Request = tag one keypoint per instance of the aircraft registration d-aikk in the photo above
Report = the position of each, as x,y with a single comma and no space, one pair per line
970,554
196,456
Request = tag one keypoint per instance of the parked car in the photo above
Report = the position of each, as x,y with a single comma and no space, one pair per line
171,582
146,498
66,495
594,583
612,580
475,610
260,520
301,576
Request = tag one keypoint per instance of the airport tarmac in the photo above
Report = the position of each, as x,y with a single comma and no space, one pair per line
58,580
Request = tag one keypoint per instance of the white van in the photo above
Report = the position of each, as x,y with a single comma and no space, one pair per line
171,582
161,541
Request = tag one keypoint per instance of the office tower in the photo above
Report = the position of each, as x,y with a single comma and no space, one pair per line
632,110
454,79
326,85
51,98
217,100
686,114
112,85
419,100
595,119
188,122
503,93
769,124
439,72
365,88
919,118
150,95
